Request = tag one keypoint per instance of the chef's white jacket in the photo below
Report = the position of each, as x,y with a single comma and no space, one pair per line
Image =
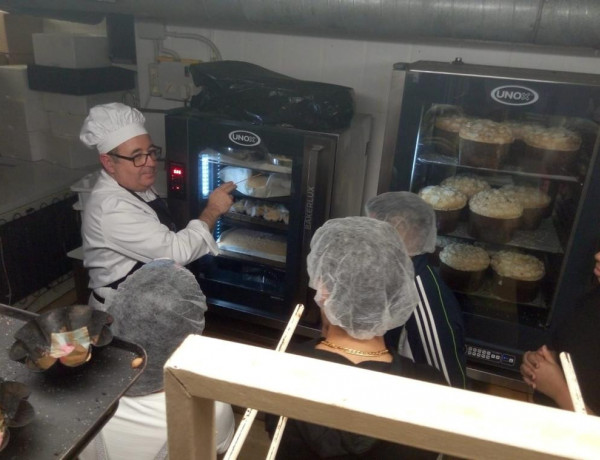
138,430
118,230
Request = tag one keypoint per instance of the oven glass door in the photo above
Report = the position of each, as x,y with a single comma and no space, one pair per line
508,166
253,235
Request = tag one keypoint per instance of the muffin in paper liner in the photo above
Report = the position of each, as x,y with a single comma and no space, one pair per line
62,336
15,410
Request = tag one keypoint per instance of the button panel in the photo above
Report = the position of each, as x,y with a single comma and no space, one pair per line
491,356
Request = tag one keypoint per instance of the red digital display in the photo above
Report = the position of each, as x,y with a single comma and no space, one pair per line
177,179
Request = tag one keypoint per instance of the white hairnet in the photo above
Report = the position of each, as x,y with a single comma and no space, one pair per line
109,125
157,307
412,217
363,276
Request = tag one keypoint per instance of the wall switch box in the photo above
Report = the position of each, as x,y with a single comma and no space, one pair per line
175,81
153,81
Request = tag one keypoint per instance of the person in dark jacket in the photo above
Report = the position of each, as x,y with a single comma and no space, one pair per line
434,334
363,279
577,335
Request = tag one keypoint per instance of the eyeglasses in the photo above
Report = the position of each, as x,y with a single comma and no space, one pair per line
141,159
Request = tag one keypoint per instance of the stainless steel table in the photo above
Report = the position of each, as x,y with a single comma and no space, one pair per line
71,404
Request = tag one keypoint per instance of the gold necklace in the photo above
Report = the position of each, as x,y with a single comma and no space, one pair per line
352,351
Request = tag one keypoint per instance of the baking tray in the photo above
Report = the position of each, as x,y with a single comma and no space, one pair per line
71,404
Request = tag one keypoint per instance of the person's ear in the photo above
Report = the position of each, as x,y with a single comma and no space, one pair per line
107,163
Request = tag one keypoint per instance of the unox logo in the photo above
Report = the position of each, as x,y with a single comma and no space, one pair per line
245,138
514,95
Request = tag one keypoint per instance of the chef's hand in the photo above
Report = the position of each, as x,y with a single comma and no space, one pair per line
219,202
597,267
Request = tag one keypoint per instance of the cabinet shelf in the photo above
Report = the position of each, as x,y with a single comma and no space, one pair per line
485,294
275,199
543,239
238,219
434,158
251,257
257,165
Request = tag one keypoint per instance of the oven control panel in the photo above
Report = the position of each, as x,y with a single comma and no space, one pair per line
490,356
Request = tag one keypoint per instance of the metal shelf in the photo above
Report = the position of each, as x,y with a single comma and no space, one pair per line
435,158
259,165
543,239
485,292
235,218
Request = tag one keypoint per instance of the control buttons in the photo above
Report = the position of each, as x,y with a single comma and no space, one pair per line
491,356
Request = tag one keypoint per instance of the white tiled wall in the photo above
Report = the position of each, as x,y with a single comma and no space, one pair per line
363,65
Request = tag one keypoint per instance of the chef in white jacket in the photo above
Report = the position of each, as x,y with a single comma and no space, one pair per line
125,223
156,307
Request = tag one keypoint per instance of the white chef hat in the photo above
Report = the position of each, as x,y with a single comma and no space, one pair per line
109,125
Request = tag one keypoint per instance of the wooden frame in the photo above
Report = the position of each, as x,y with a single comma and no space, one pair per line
453,421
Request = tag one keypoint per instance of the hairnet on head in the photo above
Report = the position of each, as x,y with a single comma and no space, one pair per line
157,307
363,276
412,217
109,125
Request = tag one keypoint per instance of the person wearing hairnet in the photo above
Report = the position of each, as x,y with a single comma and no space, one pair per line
434,334
125,222
156,307
363,279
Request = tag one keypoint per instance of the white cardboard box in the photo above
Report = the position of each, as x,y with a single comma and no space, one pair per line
70,51
155,125
25,145
23,115
70,152
84,187
14,83
65,124
78,105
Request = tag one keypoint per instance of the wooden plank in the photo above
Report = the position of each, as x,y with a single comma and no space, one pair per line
190,423
456,422
244,427
572,383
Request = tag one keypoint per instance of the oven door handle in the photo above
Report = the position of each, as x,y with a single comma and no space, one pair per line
309,190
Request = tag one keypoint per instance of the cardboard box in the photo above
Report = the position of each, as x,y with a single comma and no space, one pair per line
14,83
65,124
25,145
13,59
70,51
80,82
70,152
84,187
78,105
155,125
16,45
23,115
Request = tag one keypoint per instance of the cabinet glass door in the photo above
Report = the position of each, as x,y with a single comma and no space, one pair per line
253,235
505,164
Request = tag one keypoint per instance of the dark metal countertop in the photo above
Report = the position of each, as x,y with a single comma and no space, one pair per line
71,404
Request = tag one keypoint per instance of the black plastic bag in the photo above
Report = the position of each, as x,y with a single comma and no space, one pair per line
242,91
